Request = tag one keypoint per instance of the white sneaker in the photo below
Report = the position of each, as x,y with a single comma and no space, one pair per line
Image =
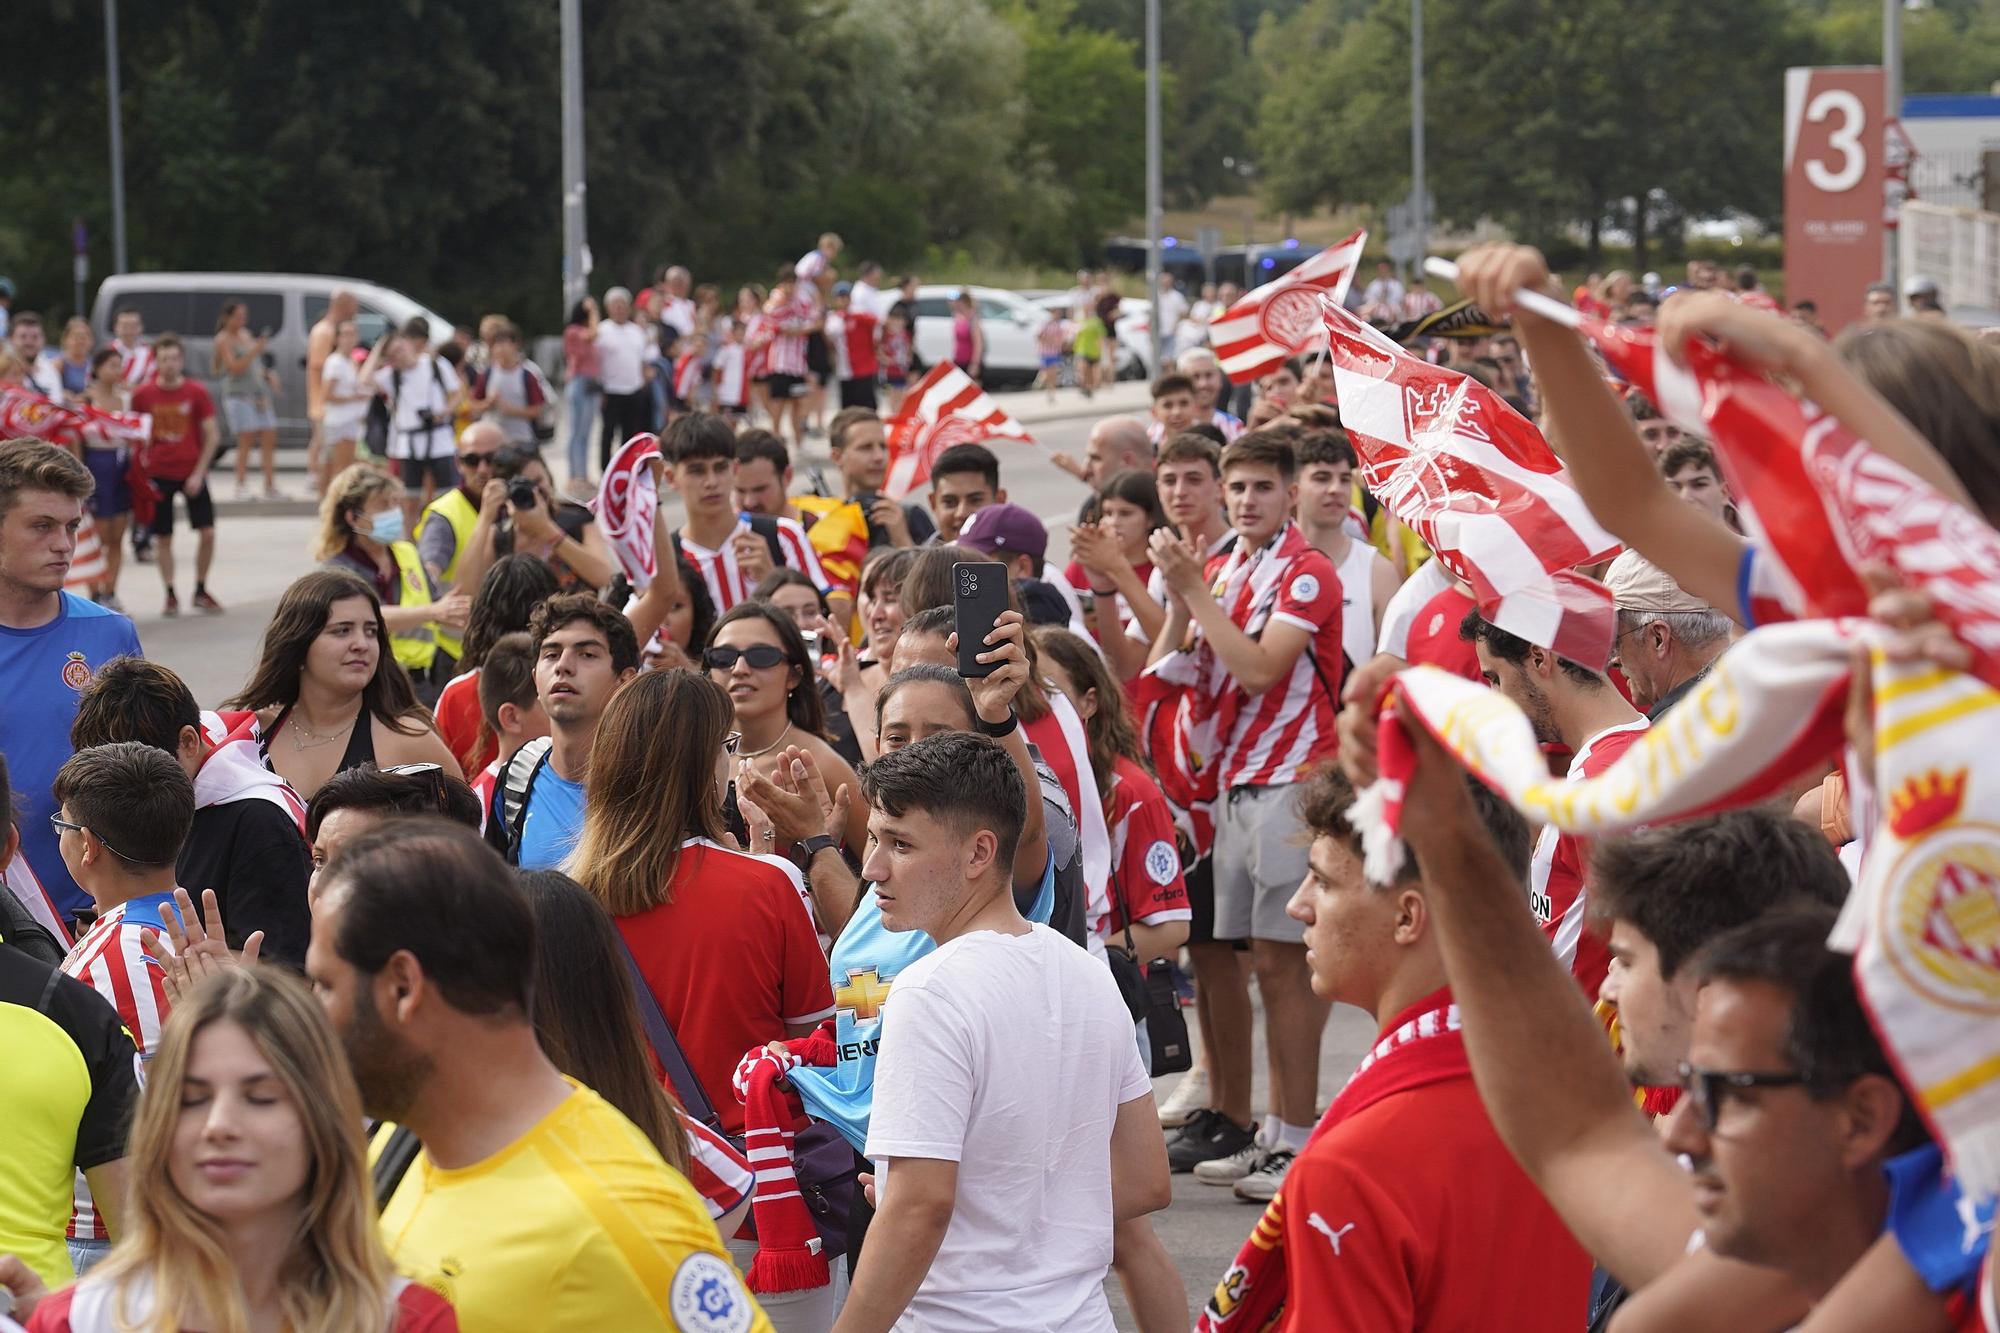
1228,1170
1261,1185
1189,1095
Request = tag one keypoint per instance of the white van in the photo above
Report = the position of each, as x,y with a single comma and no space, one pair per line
286,305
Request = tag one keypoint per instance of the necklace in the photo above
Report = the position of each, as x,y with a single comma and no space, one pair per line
305,738
752,754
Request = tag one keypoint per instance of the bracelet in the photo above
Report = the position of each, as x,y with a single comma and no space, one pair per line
807,848
998,729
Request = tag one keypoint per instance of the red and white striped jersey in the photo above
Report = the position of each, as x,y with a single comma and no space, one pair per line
794,321
1556,892
138,363
110,959
758,331
1145,857
720,1173
1276,736
726,584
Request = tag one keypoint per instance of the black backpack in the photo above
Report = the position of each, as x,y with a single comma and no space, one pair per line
508,818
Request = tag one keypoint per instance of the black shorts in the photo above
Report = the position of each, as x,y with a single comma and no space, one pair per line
443,473
817,360
858,393
781,387
200,507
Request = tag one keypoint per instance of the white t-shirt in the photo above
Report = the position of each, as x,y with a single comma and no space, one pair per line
729,374
1010,1055
343,416
622,350
867,298
1357,601
1173,309
427,386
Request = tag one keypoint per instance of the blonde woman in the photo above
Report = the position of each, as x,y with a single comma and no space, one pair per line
250,1209
248,384
361,531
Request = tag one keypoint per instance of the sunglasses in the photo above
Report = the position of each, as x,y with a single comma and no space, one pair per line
762,657
475,460
62,825
732,742
1707,1089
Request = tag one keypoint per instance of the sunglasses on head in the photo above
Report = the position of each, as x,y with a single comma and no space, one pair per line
762,657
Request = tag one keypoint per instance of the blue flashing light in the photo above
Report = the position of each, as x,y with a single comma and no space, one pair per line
1291,242
1168,242
1267,262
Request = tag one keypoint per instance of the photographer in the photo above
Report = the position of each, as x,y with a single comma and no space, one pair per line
520,511
423,391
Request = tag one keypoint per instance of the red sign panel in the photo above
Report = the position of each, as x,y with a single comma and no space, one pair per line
1833,187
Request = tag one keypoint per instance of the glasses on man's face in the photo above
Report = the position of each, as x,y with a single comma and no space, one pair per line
1707,1089
476,460
65,826
762,657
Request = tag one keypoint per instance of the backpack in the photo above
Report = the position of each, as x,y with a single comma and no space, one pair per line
767,527
509,816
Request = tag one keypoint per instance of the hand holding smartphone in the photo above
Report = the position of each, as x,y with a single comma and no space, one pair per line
978,596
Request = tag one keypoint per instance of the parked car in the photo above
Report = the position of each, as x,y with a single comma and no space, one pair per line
285,304
1009,320
1135,335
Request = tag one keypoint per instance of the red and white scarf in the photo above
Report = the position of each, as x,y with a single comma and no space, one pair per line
627,499
790,1253
1422,1045
1924,921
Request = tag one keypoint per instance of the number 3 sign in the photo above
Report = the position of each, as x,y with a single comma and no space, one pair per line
1833,187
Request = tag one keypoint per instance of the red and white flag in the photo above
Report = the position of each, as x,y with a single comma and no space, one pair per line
1281,319
26,413
945,408
627,499
1480,485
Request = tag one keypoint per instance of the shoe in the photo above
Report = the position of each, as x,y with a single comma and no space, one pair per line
1232,1168
173,606
205,603
1261,1185
143,552
1206,1137
242,491
272,493
1189,1095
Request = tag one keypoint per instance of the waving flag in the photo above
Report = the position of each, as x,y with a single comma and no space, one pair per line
627,499
944,408
1281,319
25,413
1477,482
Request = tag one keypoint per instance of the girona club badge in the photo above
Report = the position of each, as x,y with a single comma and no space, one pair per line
75,671
1941,915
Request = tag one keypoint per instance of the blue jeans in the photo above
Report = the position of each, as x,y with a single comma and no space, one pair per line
581,395
85,1255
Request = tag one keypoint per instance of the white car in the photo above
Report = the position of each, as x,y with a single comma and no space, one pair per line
1009,321
1135,331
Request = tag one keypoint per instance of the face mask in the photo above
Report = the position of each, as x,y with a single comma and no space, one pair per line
387,526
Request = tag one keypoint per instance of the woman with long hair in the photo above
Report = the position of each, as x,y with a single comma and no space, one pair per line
794,593
509,591
250,1209
757,329
109,460
723,939
73,357
347,387
587,1021
361,533
758,657
689,618
1127,514
580,386
1148,894
860,674
326,693
247,385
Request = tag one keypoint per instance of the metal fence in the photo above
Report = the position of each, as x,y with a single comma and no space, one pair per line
1957,248
1957,180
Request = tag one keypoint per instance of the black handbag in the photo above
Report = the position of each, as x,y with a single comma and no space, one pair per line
822,1158
1149,996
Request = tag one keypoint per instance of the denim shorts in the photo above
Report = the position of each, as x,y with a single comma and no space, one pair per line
249,414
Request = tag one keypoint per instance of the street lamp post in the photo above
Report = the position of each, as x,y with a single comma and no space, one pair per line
1419,200
576,259
1153,179
117,137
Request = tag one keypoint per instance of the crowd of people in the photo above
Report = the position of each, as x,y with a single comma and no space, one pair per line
528,943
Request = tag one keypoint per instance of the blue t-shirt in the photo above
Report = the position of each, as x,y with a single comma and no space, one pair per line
865,962
43,670
1943,1234
555,821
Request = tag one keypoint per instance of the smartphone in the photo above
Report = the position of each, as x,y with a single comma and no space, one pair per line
978,596
811,636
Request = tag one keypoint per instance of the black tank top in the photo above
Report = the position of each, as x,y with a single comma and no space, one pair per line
360,740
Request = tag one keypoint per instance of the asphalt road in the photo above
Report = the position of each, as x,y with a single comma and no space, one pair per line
261,550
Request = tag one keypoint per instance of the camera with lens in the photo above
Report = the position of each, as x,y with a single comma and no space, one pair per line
428,420
521,493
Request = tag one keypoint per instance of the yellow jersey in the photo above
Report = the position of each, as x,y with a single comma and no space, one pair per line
578,1224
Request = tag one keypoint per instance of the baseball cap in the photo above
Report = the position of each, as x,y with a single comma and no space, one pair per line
842,288
1005,528
1920,286
1637,584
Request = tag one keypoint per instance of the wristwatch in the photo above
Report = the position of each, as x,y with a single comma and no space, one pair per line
998,729
808,848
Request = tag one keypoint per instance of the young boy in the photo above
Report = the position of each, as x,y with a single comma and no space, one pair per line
1367,581
123,811
732,388
1266,663
733,551
513,711
895,356
1051,341
1174,406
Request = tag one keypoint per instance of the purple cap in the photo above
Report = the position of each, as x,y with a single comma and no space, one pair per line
1005,528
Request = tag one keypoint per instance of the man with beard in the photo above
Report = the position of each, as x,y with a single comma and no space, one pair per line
533,1203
